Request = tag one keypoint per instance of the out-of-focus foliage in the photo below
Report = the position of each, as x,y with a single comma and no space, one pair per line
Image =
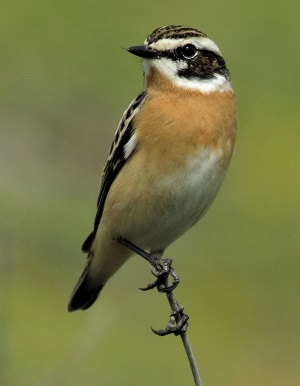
65,81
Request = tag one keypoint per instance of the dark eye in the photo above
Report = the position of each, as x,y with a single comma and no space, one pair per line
188,51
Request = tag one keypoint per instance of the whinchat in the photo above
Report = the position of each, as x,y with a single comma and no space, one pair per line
169,155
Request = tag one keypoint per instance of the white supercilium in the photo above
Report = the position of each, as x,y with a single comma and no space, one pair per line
170,68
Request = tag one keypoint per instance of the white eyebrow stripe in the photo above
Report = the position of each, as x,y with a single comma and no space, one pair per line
202,43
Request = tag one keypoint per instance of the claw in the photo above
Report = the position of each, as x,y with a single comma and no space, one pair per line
149,286
173,327
163,269
169,288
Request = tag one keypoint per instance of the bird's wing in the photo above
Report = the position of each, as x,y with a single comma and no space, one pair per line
120,150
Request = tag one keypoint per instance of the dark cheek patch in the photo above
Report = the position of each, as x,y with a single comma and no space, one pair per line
204,66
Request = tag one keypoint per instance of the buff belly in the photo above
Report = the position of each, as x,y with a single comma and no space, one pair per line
159,210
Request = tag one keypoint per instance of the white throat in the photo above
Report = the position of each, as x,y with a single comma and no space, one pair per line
169,69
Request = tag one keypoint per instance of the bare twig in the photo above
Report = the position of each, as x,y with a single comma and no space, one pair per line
186,343
163,270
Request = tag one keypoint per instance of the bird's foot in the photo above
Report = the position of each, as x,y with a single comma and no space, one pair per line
163,269
177,325
178,322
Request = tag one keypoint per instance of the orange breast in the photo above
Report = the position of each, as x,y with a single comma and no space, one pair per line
175,123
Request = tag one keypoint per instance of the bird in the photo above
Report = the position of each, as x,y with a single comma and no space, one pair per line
169,155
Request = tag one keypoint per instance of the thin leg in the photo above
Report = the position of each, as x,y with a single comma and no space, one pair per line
163,269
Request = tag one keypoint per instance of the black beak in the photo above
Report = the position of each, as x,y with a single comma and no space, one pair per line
143,52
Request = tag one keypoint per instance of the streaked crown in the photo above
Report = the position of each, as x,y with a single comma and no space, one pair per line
173,32
186,56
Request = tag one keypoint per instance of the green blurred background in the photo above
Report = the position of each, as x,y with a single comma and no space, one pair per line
65,82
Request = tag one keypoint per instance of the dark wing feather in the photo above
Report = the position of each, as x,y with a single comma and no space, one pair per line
115,161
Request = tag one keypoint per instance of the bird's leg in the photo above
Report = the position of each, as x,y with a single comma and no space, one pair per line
163,268
177,325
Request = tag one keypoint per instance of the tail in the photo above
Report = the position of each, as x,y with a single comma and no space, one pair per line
85,292
105,259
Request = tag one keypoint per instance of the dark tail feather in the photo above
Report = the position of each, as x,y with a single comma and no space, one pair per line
84,294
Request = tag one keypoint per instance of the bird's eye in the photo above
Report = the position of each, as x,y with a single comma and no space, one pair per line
188,51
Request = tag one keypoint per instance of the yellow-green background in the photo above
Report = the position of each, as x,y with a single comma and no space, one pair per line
64,83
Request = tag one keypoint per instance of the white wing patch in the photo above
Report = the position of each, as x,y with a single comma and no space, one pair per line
129,146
